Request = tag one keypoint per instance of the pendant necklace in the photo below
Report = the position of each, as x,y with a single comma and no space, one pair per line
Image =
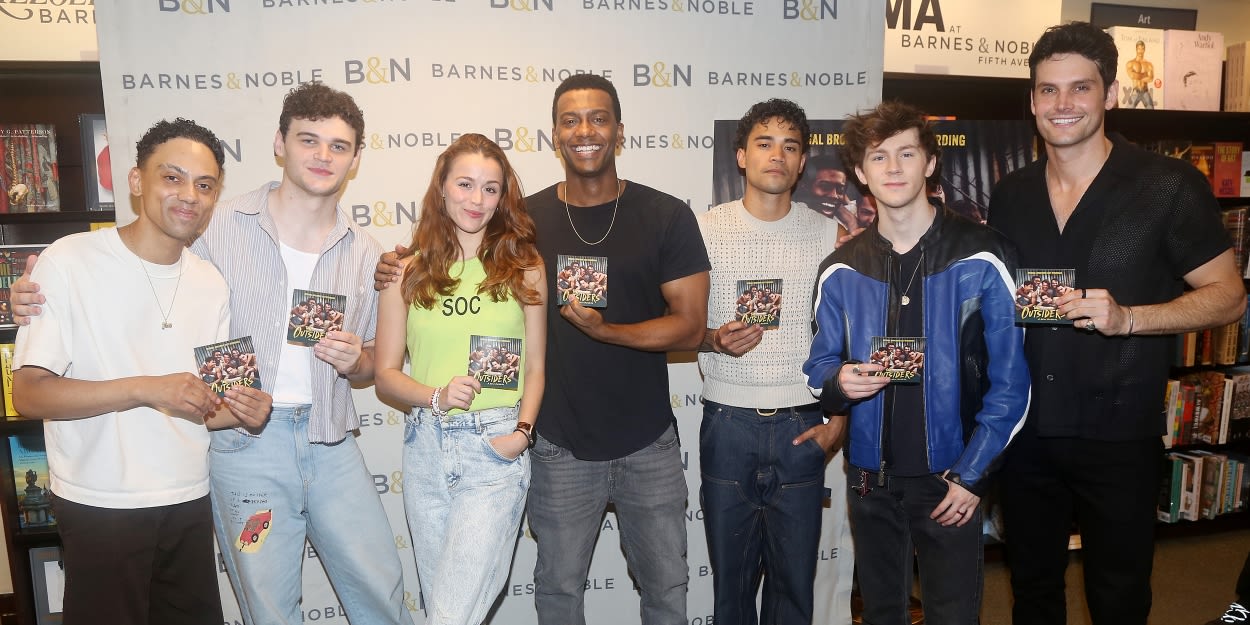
907,300
620,187
165,324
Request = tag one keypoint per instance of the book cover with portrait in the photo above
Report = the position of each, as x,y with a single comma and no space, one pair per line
759,303
902,357
584,278
1036,293
495,361
312,315
228,364
30,181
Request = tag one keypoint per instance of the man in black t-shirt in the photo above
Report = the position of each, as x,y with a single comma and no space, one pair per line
1138,228
610,437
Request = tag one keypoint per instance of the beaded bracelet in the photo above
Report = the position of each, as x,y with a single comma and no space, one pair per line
434,403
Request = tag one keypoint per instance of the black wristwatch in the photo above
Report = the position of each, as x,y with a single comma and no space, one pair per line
528,430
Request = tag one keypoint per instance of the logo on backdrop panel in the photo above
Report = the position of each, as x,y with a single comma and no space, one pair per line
509,73
669,75
376,70
812,10
194,7
276,78
524,6
743,8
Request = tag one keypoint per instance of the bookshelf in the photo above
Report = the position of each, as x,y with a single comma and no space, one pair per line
48,93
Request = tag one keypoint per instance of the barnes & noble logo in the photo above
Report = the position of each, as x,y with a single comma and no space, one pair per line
523,5
194,7
523,140
377,70
508,73
813,10
384,214
661,74
413,139
216,81
695,7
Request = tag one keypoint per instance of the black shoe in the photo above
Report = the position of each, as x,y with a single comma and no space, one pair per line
1236,613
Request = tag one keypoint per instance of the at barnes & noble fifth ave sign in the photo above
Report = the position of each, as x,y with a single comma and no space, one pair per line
965,37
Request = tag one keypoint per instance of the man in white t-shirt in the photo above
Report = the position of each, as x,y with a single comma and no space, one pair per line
764,439
110,367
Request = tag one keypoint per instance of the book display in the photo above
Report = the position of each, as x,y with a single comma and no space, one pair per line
28,176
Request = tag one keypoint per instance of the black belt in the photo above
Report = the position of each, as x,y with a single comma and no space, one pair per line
768,412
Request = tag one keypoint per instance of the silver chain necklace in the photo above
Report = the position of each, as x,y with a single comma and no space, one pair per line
165,324
919,263
620,187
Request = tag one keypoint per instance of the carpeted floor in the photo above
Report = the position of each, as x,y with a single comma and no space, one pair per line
1193,581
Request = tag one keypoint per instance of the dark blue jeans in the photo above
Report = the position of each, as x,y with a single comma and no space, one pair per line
890,525
762,501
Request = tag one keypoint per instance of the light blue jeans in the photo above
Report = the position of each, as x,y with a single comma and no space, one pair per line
464,503
567,505
272,491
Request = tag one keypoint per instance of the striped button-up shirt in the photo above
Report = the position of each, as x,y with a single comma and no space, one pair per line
242,241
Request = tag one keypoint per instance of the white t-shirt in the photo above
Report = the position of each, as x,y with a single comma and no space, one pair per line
293,385
102,321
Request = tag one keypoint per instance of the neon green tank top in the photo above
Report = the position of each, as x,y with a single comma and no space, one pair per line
466,333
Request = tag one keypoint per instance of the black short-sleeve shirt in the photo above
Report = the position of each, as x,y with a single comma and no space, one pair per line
601,401
1145,221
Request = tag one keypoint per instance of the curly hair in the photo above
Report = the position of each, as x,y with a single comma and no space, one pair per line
314,101
508,248
775,108
586,81
867,129
1080,38
180,128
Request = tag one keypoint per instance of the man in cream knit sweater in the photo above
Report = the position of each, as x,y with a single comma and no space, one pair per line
763,439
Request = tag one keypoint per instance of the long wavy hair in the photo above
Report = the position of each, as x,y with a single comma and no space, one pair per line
507,250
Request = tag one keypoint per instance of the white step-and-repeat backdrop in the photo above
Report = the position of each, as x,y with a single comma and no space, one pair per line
427,70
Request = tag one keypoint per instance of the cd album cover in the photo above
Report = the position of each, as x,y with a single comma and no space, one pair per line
228,364
495,361
584,278
312,315
902,357
1036,292
759,303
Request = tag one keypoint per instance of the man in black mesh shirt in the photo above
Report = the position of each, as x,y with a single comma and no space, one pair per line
1138,228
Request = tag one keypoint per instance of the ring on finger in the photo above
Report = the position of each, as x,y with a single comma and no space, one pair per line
1089,325
855,369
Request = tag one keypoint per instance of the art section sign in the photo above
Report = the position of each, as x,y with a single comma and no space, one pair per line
965,37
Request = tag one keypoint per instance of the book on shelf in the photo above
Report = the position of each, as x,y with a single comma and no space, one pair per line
6,371
1192,69
1245,173
1190,485
30,480
1142,67
1210,499
1170,488
1238,427
1237,78
1227,175
1202,156
29,179
12,263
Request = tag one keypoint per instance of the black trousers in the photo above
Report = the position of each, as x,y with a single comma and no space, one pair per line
140,566
1110,490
